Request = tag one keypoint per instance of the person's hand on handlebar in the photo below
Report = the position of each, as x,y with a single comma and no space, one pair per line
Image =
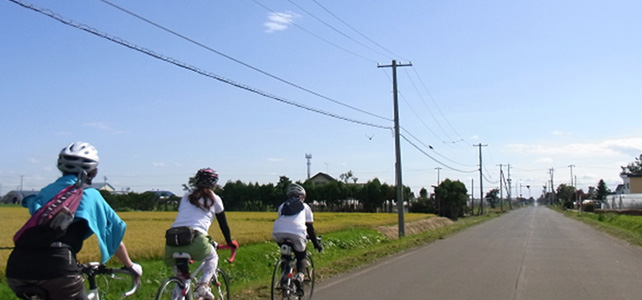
135,269
234,244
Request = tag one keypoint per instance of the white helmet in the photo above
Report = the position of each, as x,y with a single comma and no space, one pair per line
77,157
295,190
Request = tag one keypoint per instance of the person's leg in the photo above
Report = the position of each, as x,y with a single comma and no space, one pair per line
70,287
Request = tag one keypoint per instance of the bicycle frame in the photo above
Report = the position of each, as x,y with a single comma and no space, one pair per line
184,281
283,281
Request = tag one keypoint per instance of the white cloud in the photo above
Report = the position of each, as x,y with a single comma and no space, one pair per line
279,21
271,159
158,164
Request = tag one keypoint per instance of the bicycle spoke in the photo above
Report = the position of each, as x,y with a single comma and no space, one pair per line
221,285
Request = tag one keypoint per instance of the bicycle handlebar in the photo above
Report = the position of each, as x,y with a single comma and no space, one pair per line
228,247
94,268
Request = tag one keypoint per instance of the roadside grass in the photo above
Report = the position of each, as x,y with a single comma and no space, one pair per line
350,241
625,227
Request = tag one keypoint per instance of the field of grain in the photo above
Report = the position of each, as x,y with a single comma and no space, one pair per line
146,230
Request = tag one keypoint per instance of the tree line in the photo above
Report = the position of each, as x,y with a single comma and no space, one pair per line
334,196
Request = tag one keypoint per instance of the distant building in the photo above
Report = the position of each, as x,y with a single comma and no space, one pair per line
103,186
632,183
163,194
15,197
321,178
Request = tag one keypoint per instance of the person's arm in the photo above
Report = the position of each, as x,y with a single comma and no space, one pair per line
225,229
313,236
123,256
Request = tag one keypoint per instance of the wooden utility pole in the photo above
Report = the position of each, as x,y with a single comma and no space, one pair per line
501,192
398,180
481,181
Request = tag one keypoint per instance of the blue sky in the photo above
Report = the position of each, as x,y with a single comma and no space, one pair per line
255,85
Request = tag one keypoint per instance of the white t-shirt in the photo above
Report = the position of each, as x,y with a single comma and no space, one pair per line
294,224
192,215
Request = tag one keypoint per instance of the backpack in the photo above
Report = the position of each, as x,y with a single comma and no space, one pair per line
51,221
291,207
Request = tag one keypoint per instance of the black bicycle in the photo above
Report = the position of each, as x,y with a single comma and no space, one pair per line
91,270
283,282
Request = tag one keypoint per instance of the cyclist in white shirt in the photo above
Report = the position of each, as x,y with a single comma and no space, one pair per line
197,210
294,224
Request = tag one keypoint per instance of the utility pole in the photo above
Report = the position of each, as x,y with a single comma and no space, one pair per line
501,192
551,171
438,181
481,180
398,180
579,205
308,157
510,199
472,196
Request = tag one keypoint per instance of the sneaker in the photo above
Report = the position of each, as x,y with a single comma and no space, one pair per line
203,291
298,282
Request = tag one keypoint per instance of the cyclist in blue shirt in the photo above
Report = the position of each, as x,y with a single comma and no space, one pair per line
54,268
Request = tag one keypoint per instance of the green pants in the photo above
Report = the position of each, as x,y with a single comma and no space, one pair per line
199,249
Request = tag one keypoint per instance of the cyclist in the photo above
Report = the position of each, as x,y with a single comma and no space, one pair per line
197,210
294,224
54,268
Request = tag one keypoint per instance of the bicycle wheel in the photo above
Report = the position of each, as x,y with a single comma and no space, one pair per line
279,290
221,285
308,279
171,289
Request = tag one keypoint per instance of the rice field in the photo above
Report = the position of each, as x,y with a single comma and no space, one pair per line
145,233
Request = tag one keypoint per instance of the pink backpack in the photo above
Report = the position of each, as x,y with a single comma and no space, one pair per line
51,221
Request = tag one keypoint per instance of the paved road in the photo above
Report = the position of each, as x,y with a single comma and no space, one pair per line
531,253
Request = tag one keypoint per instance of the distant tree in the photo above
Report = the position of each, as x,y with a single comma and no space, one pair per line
423,204
281,187
423,193
452,197
566,194
492,197
602,191
634,168
347,177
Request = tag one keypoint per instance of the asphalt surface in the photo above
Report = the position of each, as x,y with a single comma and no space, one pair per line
530,253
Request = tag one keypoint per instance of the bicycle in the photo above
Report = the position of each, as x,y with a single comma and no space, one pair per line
91,270
181,287
283,282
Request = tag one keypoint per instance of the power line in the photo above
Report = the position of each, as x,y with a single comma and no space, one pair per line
334,28
429,111
314,35
357,31
240,62
434,159
191,68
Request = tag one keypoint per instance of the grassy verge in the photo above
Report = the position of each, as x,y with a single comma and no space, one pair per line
251,273
627,228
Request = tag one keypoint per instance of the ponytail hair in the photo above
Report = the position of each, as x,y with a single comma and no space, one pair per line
206,194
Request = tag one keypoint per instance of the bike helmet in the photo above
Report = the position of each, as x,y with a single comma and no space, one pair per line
205,178
295,190
77,157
